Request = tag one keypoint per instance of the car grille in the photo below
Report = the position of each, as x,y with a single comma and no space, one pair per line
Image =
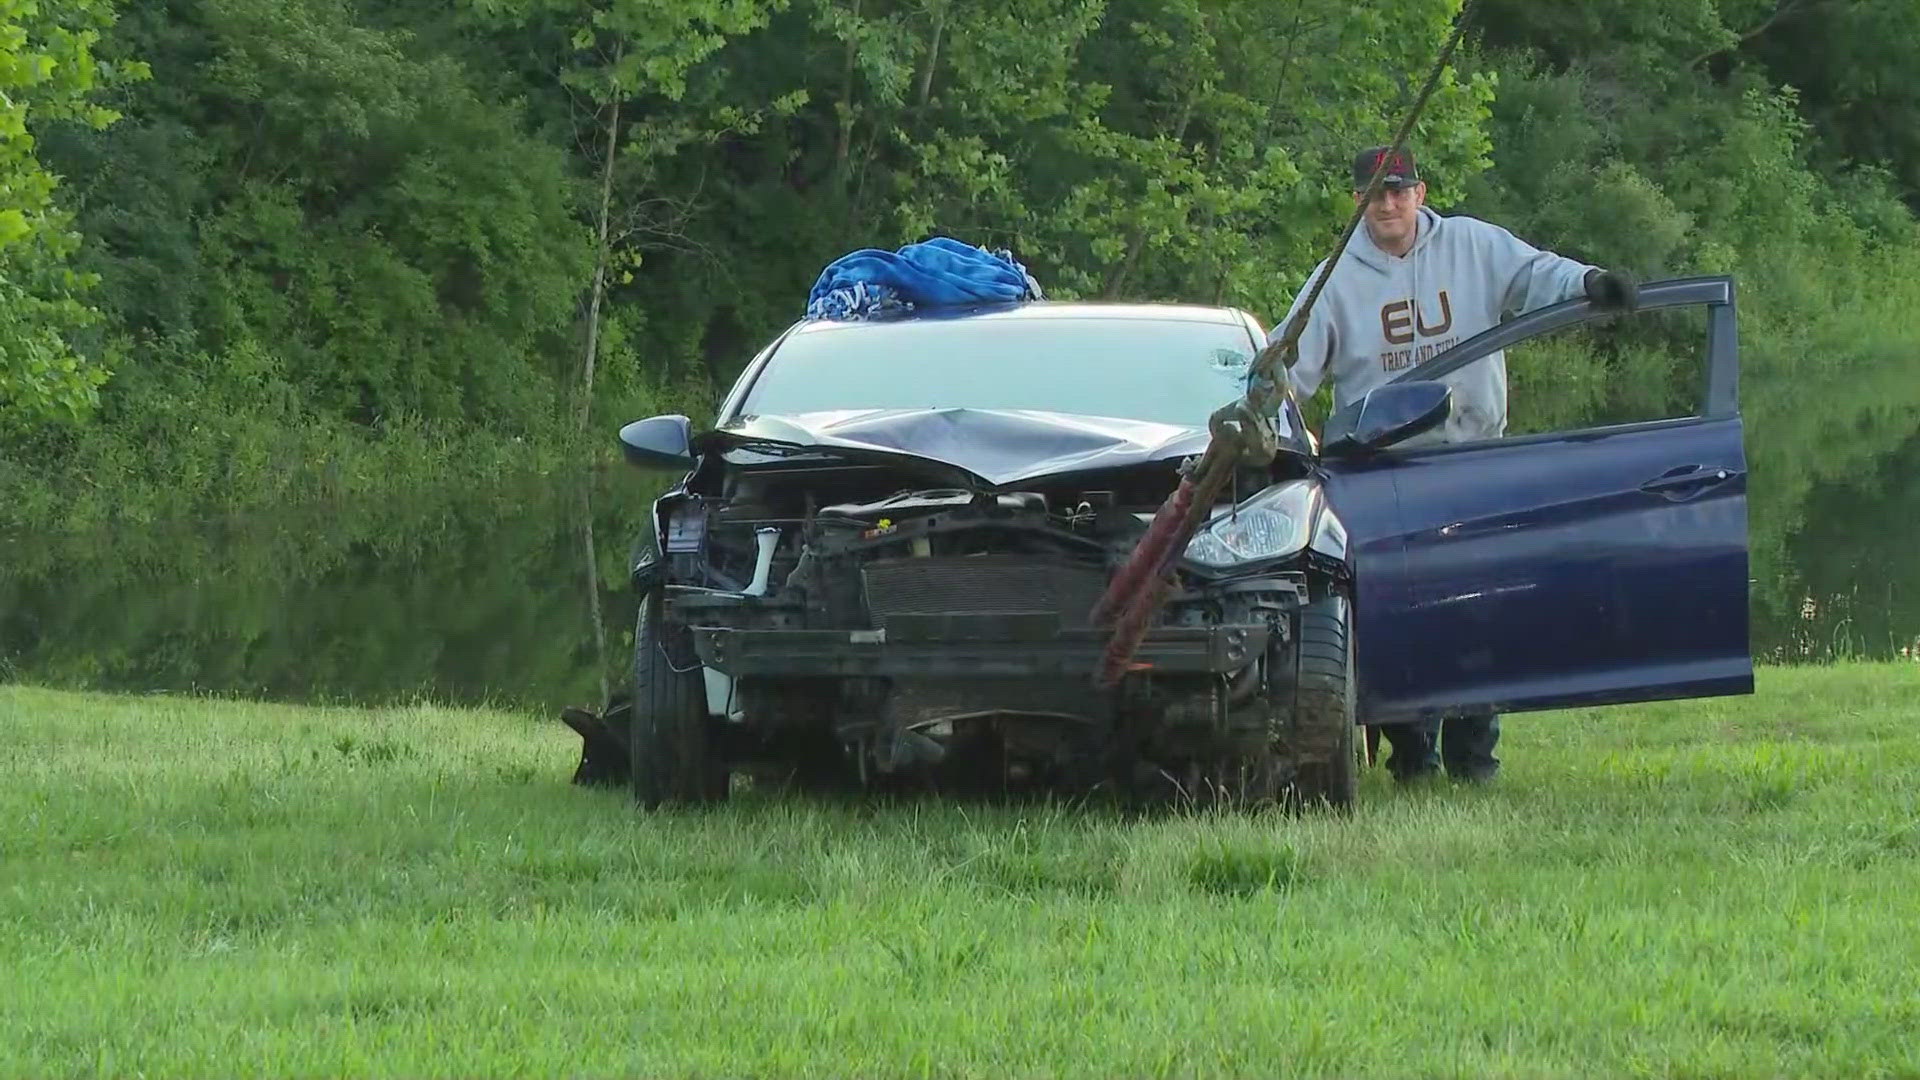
982,585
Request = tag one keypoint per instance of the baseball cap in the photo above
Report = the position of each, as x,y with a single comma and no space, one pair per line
1400,171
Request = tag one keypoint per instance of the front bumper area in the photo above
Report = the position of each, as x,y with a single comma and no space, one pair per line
957,645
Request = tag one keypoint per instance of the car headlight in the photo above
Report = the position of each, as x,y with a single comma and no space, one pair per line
1271,525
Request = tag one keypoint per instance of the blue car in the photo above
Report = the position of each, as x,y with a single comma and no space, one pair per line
877,566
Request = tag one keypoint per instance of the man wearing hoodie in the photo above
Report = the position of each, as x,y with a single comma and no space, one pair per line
1411,285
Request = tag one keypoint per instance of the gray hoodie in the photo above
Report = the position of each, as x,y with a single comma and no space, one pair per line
1466,276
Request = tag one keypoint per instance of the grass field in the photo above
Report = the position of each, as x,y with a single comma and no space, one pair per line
1718,888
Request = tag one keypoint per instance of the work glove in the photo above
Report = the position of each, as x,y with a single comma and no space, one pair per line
1612,290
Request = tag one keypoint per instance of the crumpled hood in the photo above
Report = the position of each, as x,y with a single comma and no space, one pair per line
999,446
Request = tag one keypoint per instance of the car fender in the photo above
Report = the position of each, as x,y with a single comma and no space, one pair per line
1329,536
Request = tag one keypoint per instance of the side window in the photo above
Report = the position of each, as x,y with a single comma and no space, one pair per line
1619,369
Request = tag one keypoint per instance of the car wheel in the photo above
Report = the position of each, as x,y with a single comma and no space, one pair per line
1327,767
672,756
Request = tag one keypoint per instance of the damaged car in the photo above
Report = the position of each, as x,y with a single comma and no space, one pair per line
878,565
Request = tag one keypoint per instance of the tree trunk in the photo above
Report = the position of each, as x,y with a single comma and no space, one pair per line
843,143
1117,280
593,585
854,206
933,57
599,264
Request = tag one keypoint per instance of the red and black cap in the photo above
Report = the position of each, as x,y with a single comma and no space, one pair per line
1400,171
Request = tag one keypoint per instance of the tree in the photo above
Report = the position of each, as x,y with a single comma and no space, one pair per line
635,52
1853,64
1191,149
1216,166
48,75
310,215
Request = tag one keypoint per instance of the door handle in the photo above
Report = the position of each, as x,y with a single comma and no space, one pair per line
1686,479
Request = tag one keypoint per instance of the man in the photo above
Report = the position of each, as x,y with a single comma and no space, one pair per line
1410,285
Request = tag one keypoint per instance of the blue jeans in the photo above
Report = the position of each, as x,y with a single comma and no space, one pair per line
1464,745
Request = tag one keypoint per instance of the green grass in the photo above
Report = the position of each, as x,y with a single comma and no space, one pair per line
193,887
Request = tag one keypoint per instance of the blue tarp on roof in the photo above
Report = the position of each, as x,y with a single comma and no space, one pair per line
940,272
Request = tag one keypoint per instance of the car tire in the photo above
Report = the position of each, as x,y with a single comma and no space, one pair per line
669,739
1326,759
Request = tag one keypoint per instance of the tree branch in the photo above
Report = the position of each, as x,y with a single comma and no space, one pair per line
1783,10
601,256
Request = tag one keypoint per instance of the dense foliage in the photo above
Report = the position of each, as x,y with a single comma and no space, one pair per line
337,244
48,75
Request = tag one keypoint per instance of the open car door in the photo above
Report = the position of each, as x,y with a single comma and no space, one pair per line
1583,566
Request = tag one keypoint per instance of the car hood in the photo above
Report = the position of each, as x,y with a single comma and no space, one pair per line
998,446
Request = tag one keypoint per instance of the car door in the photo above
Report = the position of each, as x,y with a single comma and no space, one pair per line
1586,566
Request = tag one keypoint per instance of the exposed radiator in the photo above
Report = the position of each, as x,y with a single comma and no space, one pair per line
982,585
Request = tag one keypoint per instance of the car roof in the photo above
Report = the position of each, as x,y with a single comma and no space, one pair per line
1041,309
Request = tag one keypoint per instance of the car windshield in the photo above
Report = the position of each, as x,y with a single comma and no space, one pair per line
1169,371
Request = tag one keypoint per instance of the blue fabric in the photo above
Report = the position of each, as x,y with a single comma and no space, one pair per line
940,272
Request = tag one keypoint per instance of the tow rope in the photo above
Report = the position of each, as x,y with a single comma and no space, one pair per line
1240,430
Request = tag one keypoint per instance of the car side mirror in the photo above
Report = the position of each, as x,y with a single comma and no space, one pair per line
659,442
1386,415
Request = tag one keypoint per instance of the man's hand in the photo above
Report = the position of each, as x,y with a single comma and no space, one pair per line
1612,290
